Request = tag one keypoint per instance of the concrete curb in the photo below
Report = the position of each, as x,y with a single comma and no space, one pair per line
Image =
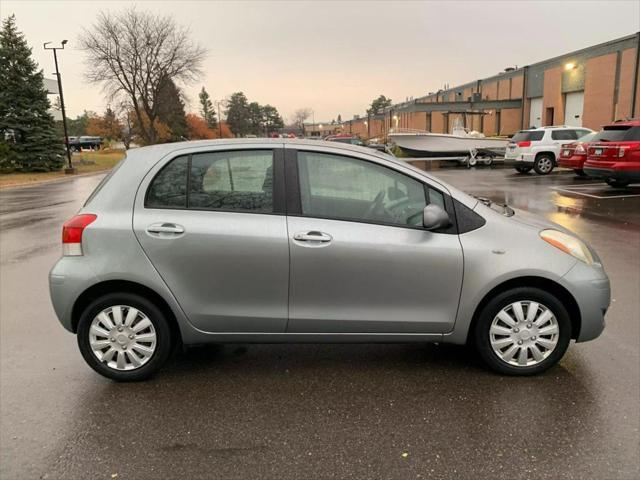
64,178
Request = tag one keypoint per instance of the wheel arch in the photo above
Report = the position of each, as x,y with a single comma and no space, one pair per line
112,286
548,152
542,283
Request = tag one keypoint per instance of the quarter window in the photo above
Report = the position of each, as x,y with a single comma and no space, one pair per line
169,188
338,187
230,181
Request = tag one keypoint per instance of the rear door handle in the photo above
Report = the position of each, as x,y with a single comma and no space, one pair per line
313,236
170,228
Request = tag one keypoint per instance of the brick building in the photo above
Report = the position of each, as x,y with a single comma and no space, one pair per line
588,87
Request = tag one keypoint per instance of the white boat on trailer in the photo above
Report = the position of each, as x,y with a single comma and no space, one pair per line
461,144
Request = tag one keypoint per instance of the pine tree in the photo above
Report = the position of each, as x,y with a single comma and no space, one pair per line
206,109
171,111
28,136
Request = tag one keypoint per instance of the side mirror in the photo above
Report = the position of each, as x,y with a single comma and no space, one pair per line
435,218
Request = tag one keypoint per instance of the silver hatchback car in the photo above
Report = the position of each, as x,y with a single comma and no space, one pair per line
302,241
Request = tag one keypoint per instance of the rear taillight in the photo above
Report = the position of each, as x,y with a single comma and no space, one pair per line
524,144
623,149
72,233
580,149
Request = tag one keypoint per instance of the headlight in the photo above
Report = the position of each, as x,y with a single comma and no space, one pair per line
568,244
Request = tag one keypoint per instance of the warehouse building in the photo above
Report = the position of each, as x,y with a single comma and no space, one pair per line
588,87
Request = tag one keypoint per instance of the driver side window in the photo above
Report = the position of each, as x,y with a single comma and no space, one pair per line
343,188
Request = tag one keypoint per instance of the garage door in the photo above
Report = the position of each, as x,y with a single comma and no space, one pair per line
573,109
535,113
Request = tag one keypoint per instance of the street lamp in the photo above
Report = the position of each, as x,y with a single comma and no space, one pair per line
223,102
70,168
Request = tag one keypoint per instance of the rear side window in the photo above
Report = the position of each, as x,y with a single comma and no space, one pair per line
528,135
240,181
564,135
230,181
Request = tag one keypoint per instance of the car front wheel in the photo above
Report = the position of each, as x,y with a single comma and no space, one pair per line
523,331
124,337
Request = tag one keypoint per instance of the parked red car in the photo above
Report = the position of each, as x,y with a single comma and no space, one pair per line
614,154
573,155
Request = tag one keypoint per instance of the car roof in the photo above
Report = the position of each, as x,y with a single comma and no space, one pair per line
162,149
633,122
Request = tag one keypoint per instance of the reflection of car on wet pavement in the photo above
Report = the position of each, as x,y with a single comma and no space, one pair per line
573,155
158,256
538,148
614,154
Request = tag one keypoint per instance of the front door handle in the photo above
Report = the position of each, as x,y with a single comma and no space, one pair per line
313,236
170,228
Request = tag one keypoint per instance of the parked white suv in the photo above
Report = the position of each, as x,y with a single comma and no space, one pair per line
539,148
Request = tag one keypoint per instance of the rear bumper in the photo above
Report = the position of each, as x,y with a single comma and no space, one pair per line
589,285
519,159
628,171
574,163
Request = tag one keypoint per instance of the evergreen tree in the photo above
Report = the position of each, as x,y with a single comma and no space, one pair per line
238,115
171,111
27,129
206,109
272,119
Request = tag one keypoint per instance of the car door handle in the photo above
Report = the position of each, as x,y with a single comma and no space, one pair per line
171,228
313,236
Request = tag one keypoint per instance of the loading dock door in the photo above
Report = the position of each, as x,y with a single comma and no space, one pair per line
535,113
573,109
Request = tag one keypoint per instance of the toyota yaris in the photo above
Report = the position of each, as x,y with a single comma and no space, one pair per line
271,241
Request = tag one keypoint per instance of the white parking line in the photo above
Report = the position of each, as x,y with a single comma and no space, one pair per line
576,191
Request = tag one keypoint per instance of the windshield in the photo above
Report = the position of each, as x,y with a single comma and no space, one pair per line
611,134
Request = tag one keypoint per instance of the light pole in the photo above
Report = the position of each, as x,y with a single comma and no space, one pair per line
218,103
70,168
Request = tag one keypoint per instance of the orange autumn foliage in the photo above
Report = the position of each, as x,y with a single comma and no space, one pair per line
198,128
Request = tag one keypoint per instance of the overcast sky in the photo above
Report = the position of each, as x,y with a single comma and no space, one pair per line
334,57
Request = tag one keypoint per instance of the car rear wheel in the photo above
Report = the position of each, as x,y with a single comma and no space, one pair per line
523,331
543,164
124,337
612,182
523,169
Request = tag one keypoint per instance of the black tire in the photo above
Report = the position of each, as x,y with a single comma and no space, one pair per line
544,164
523,169
615,183
579,172
481,333
162,329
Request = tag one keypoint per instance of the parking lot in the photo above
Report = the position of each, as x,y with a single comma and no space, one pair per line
323,411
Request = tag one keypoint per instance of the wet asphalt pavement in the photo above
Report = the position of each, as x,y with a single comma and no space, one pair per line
321,411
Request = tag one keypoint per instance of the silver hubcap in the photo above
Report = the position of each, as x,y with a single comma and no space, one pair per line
524,333
122,337
545,164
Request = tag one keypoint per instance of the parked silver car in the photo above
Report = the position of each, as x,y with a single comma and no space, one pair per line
259,240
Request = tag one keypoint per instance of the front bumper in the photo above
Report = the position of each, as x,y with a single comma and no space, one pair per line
589,285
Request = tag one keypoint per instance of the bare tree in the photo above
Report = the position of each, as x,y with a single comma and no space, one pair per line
133,54
300,115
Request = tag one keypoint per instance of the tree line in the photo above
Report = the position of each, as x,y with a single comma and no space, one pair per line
143,61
